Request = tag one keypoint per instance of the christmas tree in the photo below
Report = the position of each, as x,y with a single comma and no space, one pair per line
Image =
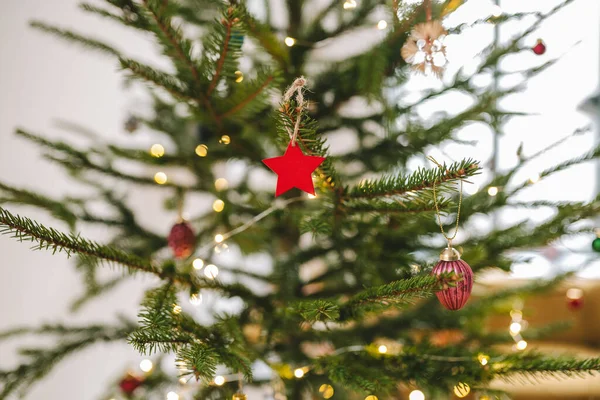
346,300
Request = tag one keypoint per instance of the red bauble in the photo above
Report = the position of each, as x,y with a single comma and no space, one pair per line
539,48
130,383
182,240
575,304
455,297
294,170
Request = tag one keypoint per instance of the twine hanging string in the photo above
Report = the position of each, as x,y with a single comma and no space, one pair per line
427,5
437,208
298,88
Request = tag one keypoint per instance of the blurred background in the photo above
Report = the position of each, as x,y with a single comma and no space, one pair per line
49,85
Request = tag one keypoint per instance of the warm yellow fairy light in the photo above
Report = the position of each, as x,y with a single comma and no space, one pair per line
177,309
349,4
196,299
183,380
221,184
198,263
219,238
172,396
160,178
157,150
312,196
462,390
382,349
225,139
289,41
515,328
202,150
219,380
484,397
211,271
492,191
483,359
221,247
326,391
298,373
239,76
521,345
416,395
496,10
516,315
146,365
574,294
535,178
218,205
371,397
381,25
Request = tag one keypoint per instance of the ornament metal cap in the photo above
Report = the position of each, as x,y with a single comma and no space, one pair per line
449,254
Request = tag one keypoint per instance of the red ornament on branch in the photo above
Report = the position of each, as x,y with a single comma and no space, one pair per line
130,383
454,297
182,240
539,48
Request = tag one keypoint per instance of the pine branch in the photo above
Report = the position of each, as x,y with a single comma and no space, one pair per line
532,366
25,229
251,96
77,38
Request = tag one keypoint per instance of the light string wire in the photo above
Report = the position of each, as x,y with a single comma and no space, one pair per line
437,208
298,88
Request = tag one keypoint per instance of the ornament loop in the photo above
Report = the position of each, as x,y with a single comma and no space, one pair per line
437,208
298,88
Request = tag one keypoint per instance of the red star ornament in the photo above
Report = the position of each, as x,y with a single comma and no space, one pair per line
294,170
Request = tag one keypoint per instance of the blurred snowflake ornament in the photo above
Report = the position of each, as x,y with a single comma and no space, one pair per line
424,48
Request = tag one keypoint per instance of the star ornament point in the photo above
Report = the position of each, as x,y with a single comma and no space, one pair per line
294,170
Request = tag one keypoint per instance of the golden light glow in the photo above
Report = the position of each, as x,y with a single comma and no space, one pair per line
483,359
492,191
225,139
521,345
211,271
381,25
183,380
146,365
160,178
196,299
382,349
157,150
371,397
326,390
312,196
298,373
349,4
201,150
219,238
221,184
416,395
239,76
462,390
535,178
516,315
172,396
218,205
496,11
198,263
484,397
515,328
574,294
221,248
219,380
177,309
289,41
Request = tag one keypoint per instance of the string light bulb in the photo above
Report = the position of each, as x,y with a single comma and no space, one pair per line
211,271
521,345
492,191
298,373
496,10
381,25
160,178
371,397
515,328
349,4
172,396
535,178
219,380
221,184
219,238
462,390
326,391
483,359
198,263
157,150
574,293
225,139
196,299
146,365
177,309
312,196
201,150
382,349
218,205
289,41
416,395
239,76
